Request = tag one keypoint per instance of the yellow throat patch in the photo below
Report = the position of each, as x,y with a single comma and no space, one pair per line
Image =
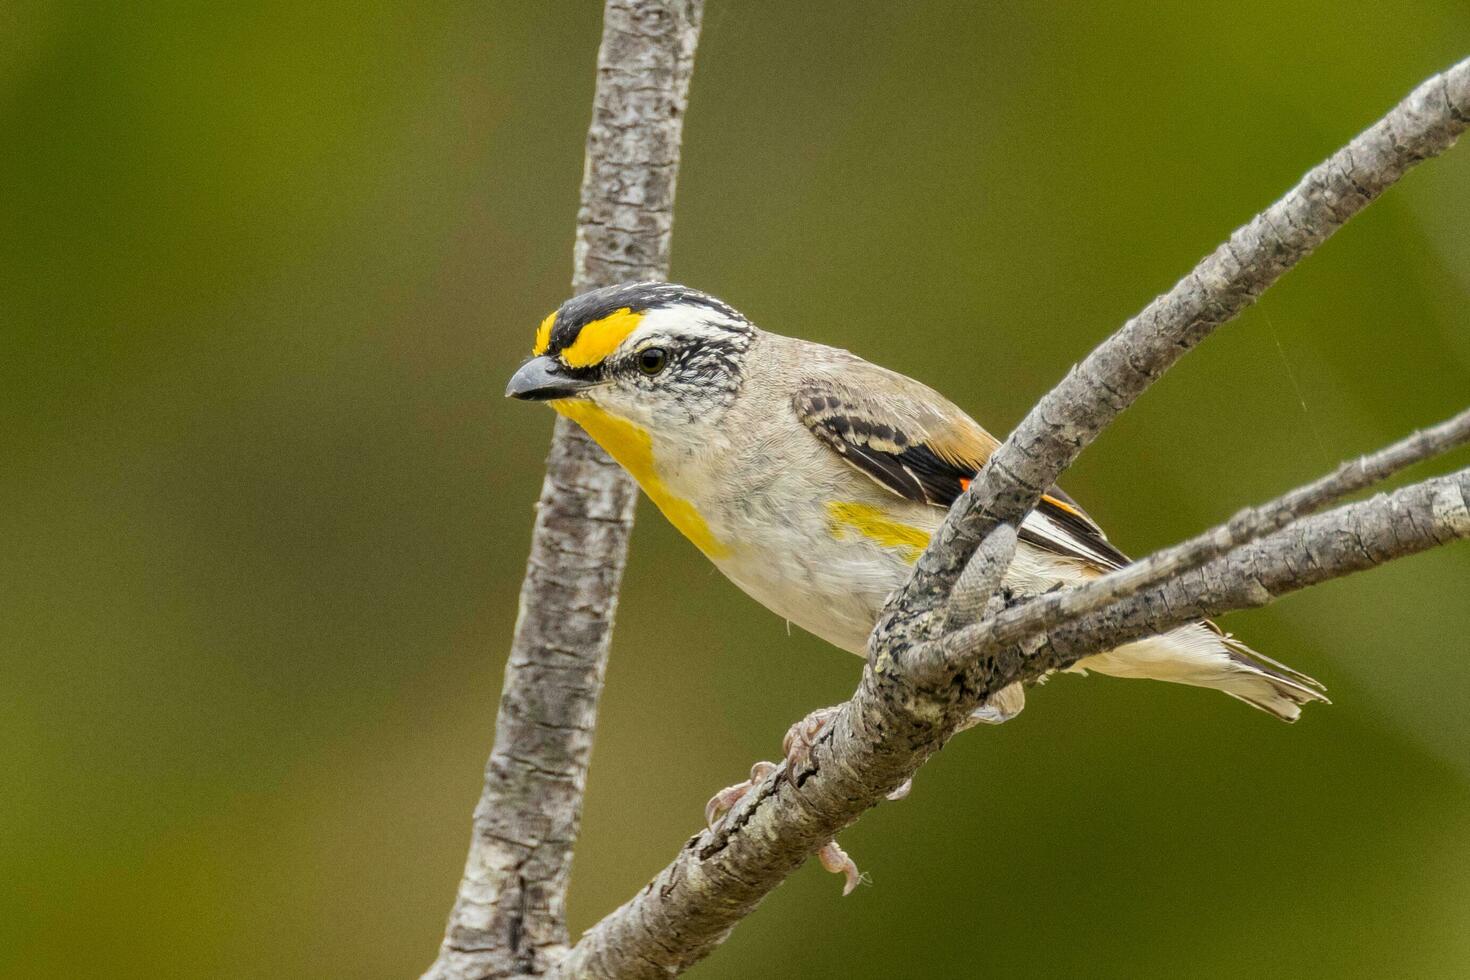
632,447
872,523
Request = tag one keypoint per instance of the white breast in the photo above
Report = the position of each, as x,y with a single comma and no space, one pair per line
782,548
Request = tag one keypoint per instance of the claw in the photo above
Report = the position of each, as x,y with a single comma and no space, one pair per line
724,801
835,860
832,857
797,745
801,736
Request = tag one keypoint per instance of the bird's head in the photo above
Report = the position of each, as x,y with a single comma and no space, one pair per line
662,357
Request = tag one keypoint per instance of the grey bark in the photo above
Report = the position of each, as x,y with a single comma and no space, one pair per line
1253,522
1348,539
920,685
1221,286
508,917
877,741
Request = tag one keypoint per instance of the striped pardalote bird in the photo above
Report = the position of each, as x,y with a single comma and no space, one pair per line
813,480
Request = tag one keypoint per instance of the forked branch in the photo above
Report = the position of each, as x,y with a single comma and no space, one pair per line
1070,416
1038,614
1304,553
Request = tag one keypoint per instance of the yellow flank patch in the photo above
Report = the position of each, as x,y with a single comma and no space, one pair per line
600,338
872,523
633,449
543,335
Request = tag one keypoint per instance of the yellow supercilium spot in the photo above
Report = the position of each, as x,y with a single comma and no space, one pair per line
543,335
600,338
872,523
633,449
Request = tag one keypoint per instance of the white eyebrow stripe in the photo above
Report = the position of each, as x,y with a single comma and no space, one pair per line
686,323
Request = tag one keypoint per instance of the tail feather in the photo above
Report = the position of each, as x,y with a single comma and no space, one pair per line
1274,687
1204,656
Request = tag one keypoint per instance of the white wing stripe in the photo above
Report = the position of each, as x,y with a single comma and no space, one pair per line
1063,540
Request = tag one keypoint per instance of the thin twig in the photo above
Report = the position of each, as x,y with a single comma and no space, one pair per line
1309,551
1039,614
1070,416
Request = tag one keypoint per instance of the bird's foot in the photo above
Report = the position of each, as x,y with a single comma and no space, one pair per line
797,746
835,860
801,736
724,801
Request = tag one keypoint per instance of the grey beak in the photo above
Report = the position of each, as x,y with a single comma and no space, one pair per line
542,379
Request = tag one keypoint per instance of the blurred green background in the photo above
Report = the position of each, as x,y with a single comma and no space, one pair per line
263,510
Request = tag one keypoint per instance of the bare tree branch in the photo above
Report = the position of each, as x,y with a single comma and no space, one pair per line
509,914
1040,613
720,876
900,713
1304,553
1351,538
1095,392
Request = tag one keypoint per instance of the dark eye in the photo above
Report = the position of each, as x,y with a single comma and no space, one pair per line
652,360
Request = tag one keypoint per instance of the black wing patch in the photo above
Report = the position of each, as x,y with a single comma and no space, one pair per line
911,468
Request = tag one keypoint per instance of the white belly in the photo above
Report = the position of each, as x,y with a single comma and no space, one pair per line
835,589
786,551
838,601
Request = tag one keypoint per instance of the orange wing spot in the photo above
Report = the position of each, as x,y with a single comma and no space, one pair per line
1063,506
964,484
